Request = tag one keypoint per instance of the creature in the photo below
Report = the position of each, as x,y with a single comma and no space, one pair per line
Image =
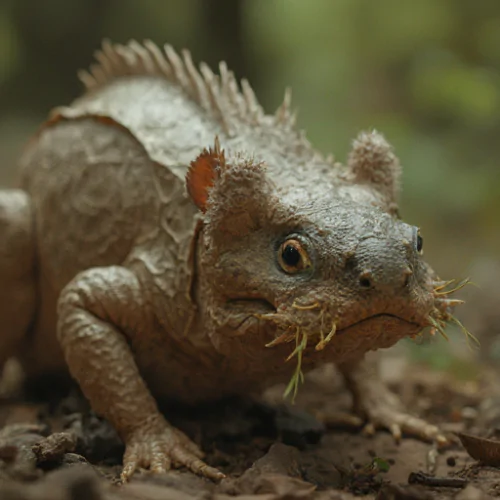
170,240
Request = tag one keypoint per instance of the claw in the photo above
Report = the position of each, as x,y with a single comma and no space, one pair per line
182,457
442,441
369,429
128,471
395,430
162,448
212,473
386,412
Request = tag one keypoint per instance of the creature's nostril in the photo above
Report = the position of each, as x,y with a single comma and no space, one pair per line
365,283
365,280
408,273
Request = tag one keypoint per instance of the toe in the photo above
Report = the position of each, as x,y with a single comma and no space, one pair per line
128,471
426,431
130,465
419,428
212,473
159,464
193,463
399,423
369,429
160,461
442,441
395,430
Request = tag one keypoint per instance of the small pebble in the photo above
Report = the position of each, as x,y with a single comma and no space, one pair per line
451,461
469,413
53,447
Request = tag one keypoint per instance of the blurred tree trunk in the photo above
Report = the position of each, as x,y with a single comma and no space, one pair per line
222,23
57,38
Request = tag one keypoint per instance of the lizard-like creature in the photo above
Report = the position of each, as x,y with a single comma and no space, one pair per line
171,240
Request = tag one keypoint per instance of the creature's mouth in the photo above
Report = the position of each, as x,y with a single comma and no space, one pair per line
306,324
381,317
258,305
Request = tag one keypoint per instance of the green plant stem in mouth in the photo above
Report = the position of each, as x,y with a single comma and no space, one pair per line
472,341
439,326
298,376
438,320
301,338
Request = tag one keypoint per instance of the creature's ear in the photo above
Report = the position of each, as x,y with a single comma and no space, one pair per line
372,161
234,194
202,174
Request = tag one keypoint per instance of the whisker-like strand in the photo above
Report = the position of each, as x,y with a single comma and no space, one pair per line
283,338
436,324
468,335
457,287
442,284
323,341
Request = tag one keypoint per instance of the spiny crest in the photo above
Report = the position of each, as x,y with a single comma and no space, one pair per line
218,94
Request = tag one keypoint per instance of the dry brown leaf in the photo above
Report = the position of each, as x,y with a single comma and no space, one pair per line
485,450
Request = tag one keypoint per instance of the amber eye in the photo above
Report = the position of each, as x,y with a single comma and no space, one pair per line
292,257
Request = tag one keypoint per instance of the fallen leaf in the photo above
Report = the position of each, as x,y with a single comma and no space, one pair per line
485,450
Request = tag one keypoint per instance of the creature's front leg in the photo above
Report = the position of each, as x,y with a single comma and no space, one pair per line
96,310
381,407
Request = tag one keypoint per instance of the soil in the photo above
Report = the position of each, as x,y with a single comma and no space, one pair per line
58,449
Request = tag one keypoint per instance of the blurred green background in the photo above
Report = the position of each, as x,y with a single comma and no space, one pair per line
426,74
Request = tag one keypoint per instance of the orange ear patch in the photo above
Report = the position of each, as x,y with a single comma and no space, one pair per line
202,174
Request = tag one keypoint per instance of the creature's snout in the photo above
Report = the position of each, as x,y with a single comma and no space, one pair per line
386,263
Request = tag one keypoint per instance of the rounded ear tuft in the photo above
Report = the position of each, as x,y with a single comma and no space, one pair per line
202,174
372,161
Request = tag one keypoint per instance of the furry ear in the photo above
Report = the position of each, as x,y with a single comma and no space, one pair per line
234,193
240,199
372,161
203,173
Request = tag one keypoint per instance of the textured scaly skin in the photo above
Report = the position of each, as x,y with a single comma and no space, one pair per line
152,297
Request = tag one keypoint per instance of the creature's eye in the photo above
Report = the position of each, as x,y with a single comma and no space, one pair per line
292,257
420,243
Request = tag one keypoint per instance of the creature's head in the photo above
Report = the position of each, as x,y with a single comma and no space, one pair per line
324,261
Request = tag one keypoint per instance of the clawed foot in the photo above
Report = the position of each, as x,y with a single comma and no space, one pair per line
157,446
398,423
382,409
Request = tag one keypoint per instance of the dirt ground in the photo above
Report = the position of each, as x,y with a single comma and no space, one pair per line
58,449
